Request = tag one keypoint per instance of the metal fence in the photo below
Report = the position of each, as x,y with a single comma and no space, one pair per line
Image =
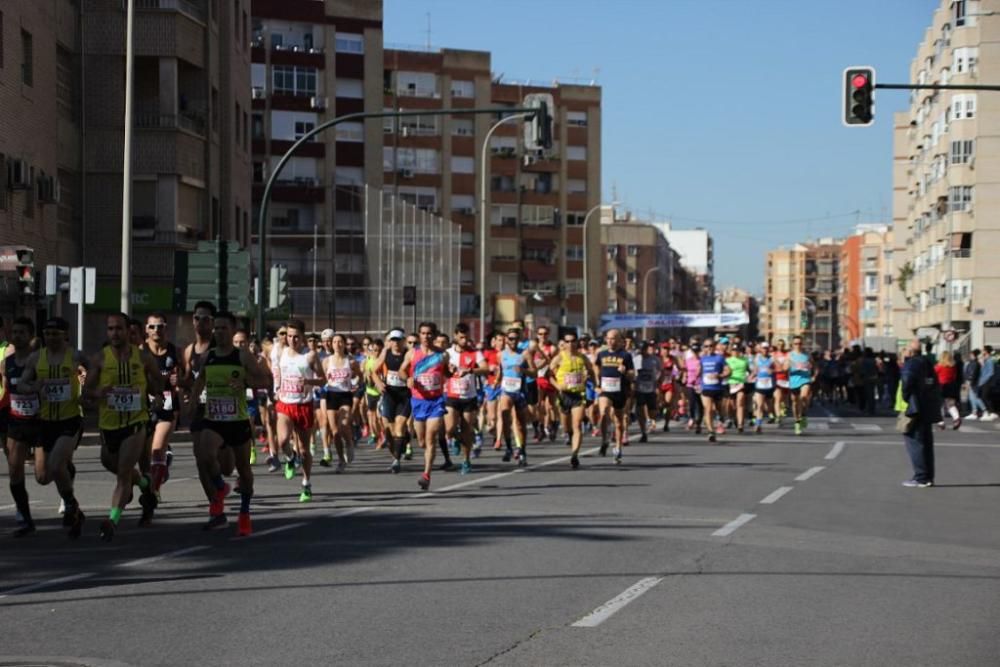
401,246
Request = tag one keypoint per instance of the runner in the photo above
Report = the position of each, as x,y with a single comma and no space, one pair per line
571,370
491,389
226,374
298,371
780,380
616,374
548,412
692,385
202,319
340,369
395,403
424,367
739,369
21,418
120,380
592,412
464,364
800,375
714,371
515,366
762,374
649,368
372,394
668,379
164,419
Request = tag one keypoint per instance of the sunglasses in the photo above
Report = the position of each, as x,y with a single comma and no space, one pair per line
156,327
282,333
513,338
199,318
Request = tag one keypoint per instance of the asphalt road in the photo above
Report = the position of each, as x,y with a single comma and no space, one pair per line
762,550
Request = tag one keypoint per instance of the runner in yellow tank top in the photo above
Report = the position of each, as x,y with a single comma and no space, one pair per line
572,370
54,374
121,378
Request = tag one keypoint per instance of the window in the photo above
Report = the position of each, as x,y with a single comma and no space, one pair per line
462,165
352,132
468,240
302,128
633,251
423,160
871,283
612,251
257,126
463,127
964,59
463,89
423,198
27,60
351,88
349,43
504,215
612,305
574,252
419,126
577,118
416,84
576,186
463,203
960,18
960,198
632,306
575,218
962,151
576,152
612,278
963,106
632,277
297,81
258,172
537,215
349,176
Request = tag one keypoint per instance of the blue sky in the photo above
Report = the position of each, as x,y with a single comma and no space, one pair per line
719,114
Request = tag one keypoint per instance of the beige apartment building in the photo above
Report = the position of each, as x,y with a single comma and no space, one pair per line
801,294
946,181
865,283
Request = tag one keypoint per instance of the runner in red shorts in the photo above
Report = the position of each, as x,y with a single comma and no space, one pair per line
548,412
297,372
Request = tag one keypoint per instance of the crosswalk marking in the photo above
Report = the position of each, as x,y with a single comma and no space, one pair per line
869,428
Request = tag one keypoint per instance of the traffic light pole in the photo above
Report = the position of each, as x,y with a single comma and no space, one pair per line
265,200
932,86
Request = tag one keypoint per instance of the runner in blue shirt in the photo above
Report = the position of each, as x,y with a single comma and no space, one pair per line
714,371
800,376
762,374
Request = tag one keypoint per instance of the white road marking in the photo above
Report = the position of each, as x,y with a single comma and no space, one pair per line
14,505
835,452
45,584
614,605
829,415
731,527
971,429
819,426
775,495
169,554
868,428
499,475
810,473
271,531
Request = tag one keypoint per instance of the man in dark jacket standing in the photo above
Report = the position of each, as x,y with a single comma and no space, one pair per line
923,398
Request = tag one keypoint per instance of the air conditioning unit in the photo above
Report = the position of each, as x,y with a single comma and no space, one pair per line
468,211
280,47
18,175
530,160
317,103
257,93
48,189
406,173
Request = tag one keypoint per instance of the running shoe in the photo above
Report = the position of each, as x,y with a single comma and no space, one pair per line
466,468
107,532
914,484
216,521
243,527
477,451
574,462
394,468
273,465
497,444
618,456
24,529
711,437
218,504
290,469
409,452
604,448
798,428
456,448
446,466
67,517
253,455
424,481
326,461
517,453
666,426
507,456
341,466
522,459
478,440
307,493
62,508
719,429
371,440
149,501
594,432
643,438
76,526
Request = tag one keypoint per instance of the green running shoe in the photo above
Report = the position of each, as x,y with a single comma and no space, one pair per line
289,469
306,495
798,428
253,454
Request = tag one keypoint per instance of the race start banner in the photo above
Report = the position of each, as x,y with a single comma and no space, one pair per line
672,320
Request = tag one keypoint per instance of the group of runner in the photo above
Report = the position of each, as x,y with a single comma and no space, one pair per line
300,392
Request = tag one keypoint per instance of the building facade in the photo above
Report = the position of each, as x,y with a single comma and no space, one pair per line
802,294
697,252
947,180
738,300
865,303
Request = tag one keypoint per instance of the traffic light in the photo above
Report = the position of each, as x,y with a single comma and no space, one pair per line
56,279
859,96
26,272
538,131
278,286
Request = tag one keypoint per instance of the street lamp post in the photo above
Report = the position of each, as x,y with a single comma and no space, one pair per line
645,296
126,266
586,254
482,220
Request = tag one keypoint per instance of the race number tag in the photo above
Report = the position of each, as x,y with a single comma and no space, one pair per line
645,387
56,391
429,381
511,385
462,387
611,385
735,388
764,383
572,380
221,408
393,380
292,386
124,399
783,384
24,405
711,379
168,401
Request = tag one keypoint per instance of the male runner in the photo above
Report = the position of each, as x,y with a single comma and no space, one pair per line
800,376
226,373
120,380
648,368
167,360
547,416
714,373
21,417
762,373
395,404
464,364
515,366
571,369
298,370
617,373
425,367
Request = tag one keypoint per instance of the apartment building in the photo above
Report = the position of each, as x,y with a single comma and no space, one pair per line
865,304
948,186
697,252
639,266
311,62
737,300
802,294
535,204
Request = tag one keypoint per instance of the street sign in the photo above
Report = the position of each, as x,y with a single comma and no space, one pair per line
82,285
950,336
992,324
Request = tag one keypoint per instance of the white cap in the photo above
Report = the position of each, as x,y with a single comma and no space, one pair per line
396,334
327,333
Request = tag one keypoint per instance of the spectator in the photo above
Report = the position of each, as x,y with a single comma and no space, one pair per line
970,374
948,378
986,383
921,407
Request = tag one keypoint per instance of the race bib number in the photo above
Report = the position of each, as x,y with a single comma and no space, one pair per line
355,383
429,381
57,391
221,408
293,386
783,384
511,384
24,405
572,380
462,386
764,383
124,399
735,388
611,385
645,387
168,400
711,379
393,380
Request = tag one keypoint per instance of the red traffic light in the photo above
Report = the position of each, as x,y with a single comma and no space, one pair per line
859,81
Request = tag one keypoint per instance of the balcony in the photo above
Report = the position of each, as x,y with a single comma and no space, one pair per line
297,191
184,6
190,121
